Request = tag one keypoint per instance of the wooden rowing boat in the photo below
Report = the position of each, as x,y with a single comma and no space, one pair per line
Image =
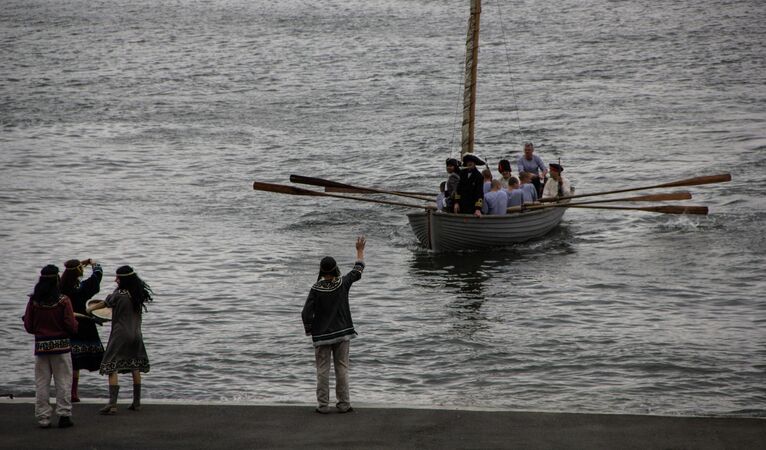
444,232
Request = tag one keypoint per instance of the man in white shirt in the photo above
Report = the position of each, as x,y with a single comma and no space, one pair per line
557,185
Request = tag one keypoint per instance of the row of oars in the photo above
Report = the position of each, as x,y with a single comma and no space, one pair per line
334,189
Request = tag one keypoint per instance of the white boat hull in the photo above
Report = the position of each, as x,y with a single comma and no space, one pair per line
444,232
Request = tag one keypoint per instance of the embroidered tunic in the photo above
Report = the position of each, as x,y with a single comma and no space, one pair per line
326,314
52,325
87,349
125,351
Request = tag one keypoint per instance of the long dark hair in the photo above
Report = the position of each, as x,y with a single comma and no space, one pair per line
140,292
70,279
46,290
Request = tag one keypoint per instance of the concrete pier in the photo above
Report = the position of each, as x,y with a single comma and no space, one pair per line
206,426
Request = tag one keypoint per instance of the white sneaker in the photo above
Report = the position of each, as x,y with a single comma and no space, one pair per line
44,423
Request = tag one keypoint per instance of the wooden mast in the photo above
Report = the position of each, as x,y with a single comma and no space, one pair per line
469,89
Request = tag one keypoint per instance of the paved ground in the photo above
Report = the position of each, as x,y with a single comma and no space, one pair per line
190,426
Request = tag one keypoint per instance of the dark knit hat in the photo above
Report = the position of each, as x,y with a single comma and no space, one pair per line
328,266
556,167
453,162
504,166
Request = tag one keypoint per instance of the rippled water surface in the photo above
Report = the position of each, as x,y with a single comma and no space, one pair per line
132,132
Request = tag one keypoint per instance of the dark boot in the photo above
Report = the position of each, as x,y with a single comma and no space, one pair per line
75,382
65,422
111,407
136,405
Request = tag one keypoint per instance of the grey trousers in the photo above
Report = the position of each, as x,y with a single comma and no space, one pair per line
60,367
339,355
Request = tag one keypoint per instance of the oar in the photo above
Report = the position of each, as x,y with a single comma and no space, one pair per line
355,189
429,196
665,209
683,195
641,198
292,190
696,181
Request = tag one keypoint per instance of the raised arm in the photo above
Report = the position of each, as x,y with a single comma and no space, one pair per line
91,286
361,241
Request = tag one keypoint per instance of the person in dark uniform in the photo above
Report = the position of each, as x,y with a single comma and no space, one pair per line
469,197
450,190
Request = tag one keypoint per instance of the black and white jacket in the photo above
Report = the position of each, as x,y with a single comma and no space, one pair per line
326,314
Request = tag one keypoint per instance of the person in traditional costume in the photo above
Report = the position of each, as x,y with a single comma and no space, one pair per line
87,349
470,190
125,352
327,319
50,317
557,185
504,168
534,165
453,178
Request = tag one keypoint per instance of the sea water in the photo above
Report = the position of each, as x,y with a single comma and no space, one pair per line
131,133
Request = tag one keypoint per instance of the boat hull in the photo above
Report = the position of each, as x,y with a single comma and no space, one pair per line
444,232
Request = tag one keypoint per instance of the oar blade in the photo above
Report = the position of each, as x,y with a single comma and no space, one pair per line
673,209
300,179
345,190
282,189
662,197
696,181
665,209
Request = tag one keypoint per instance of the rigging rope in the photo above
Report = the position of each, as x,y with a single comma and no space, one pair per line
510,75
458,103
458,114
